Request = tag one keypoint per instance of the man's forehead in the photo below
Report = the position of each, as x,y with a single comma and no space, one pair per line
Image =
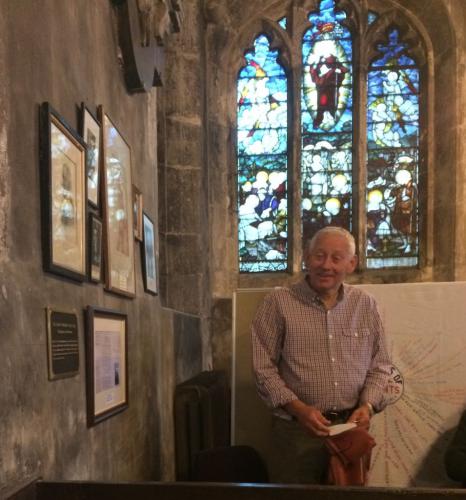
331,242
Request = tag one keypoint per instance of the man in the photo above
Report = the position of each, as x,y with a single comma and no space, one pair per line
455,457
319,357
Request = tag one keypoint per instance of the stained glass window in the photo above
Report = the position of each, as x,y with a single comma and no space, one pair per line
327,121
262,161
393,157
386,223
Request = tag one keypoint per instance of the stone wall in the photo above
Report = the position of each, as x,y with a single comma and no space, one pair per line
67,53
184,202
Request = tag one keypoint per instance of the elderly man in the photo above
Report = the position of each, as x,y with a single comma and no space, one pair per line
319,357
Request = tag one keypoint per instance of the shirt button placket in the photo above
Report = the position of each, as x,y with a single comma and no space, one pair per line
331,352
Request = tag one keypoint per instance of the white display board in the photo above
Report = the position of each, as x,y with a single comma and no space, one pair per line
425,325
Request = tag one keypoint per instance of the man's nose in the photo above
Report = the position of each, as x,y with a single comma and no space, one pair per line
327,262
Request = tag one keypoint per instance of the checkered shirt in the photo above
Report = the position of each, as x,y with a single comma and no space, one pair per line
331,359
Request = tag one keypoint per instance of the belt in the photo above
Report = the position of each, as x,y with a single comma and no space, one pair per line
333,416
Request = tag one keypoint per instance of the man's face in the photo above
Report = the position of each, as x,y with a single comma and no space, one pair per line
329,262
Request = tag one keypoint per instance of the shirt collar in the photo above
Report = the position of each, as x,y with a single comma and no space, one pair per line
306,289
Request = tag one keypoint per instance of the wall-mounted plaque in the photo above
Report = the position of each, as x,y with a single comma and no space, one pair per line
63,344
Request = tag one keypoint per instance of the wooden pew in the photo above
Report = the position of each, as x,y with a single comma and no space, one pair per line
84,490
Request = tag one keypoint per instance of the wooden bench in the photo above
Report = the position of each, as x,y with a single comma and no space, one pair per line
88,490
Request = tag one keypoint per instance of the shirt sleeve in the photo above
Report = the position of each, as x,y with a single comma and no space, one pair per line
267,332
455,456
380,366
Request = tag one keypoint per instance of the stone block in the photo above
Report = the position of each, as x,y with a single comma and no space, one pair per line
221,334
188,346
189,40
185,145
183,87
183,200
183,254
184,293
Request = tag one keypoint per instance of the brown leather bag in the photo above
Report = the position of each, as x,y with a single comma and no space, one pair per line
350,457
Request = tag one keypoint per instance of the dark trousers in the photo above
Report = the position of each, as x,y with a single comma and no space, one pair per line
298,457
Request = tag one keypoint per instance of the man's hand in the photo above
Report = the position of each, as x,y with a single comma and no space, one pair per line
361,416
309,417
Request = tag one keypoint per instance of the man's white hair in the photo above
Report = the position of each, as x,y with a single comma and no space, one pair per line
332,230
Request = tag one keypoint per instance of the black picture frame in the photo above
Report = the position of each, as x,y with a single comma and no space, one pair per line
106,363
63,196
91,133
95,249
149,256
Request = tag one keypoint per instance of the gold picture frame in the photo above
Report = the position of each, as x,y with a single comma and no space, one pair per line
117,210
137,213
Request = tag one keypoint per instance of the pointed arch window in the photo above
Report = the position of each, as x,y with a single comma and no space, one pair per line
392,157
327,122
262,161
354,159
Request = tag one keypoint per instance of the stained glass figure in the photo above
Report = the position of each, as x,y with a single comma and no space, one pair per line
327,121
262,161
393,157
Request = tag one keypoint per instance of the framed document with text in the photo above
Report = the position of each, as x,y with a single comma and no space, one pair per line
106,364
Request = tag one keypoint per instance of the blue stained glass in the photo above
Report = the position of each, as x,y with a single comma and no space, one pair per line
393,152
282,22
393,53
262,139
327,121
371,17
408,81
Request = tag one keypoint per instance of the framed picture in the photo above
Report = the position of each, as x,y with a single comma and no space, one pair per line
149,263
137,213
106,364
95,248
91,133
118,210
63,191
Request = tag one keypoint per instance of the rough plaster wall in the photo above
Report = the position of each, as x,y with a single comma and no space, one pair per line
66,53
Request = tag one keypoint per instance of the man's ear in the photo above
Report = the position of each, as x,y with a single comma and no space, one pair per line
352,263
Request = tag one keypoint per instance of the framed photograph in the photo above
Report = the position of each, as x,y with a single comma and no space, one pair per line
63,191
118,210
91,133
137,213
149,262
106,364
62,343
95,248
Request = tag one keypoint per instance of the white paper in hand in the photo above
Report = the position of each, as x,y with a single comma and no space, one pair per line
339,428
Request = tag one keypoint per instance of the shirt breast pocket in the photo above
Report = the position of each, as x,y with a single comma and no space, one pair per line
356,340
